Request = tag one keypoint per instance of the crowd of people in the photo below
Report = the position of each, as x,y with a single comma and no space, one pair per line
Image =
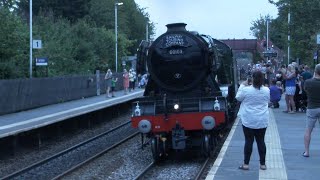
129,81
267,84
287,80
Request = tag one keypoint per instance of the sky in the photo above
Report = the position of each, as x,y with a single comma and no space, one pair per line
221,19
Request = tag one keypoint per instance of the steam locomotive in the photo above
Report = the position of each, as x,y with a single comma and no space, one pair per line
190,94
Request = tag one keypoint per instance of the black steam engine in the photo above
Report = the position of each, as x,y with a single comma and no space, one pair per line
190,92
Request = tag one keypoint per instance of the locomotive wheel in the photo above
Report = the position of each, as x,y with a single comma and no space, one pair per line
158,149
155,147
207,145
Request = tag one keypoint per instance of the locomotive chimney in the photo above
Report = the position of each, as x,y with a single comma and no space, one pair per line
176,27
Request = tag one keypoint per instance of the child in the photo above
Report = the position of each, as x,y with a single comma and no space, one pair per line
113,85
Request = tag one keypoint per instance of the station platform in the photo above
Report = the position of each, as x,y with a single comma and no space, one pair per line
285,145
15,123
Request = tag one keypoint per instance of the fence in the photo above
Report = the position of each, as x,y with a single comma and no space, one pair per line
23,94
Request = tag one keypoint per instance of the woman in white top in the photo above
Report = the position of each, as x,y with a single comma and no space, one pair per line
254,115
108,77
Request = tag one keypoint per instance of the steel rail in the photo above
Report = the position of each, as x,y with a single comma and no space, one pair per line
39,163
203,167
74,168
145,171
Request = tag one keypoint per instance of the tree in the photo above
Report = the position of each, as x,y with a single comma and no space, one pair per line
77,36
7,4
132,20
304,24
71,9
13,46
259,27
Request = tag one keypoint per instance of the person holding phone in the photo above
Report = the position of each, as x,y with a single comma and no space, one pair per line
254,115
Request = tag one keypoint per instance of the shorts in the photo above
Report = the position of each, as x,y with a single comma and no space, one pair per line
313,115
112,89
290,90
108,82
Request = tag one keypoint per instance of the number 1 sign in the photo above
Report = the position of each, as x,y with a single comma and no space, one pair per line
36,44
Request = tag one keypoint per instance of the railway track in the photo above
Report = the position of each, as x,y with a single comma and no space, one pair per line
144,172
200,168
66,161
153,170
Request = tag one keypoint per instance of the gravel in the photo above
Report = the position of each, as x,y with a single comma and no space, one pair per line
129,160
124,162
28,156
176,169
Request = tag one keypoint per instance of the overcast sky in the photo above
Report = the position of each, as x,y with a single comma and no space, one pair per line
221,19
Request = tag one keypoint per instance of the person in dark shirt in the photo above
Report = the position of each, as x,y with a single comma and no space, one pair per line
306,73
312,88
275,94
298,94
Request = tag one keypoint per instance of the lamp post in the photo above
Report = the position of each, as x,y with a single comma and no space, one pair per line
116,30
289,35
30,26
147,31
268,33
268,37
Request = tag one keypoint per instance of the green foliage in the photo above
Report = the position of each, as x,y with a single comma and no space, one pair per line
78,36
132,20
259,27
103,16
303,28
7,4
13,45
70,9
73,49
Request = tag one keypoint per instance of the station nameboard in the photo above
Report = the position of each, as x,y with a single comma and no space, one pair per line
41,61
270,54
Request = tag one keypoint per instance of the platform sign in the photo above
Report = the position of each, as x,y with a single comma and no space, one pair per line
270,54
318,39
41,61
36,44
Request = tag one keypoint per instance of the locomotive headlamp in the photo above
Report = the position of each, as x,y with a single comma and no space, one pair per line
144,126
216,105
137,111
208,122
176,106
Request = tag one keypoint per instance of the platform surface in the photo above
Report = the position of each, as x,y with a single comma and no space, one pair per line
285,145
15,123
